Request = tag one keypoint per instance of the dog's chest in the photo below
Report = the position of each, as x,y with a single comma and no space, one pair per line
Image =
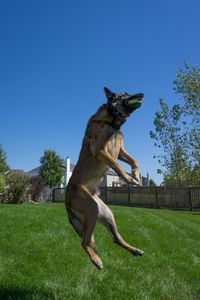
114,144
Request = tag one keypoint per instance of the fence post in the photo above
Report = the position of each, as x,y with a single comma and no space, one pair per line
190,199
129,195
106,194
53,192
157,199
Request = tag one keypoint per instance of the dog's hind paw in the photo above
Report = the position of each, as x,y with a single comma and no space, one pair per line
97,262
138,252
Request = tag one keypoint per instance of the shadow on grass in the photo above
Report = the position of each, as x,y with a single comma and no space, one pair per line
19,293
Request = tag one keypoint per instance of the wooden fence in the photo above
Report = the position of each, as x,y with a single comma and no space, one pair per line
180,198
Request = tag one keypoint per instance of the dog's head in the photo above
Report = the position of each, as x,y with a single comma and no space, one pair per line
121,105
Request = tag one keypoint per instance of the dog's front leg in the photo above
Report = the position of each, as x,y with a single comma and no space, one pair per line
125,157
105,156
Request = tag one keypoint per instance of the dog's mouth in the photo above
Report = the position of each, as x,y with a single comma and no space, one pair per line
133,102
121,105
126,107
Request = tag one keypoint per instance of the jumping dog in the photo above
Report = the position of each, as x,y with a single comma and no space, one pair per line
101,147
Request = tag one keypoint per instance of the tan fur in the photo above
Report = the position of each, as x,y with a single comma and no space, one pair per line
102,146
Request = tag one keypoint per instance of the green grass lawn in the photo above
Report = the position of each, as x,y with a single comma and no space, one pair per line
41,256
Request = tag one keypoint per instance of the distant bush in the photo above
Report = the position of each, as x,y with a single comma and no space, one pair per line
18,187
4,170
2,188
2,183
36,186
152,183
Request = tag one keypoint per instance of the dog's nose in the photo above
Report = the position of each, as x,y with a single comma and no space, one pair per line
141,95
138,96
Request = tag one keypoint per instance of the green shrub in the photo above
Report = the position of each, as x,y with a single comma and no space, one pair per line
37,184
4,170
2,183
18,187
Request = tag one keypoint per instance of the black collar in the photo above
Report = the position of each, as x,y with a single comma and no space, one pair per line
114,126
115,113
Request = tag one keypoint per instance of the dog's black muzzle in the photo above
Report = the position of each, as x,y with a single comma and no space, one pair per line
133,102
129,105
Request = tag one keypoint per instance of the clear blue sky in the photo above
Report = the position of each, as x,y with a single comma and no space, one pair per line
56,57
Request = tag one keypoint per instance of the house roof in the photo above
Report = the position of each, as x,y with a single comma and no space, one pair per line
111,172
37,169
72,166
18,171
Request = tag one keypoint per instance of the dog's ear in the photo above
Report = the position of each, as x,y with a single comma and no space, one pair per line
110,95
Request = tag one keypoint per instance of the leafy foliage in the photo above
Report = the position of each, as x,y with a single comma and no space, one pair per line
36,186
169,137
187,84
177,131
2,183
194,176
18,187
4,169
51,168
152,183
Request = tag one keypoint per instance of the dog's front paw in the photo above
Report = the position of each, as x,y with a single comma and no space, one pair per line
136,177
129,179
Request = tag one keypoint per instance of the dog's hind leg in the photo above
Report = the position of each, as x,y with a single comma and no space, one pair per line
88,209
95,259
75,222
78,227
89,225
106,217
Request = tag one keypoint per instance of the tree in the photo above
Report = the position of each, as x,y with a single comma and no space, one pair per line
194,176
187,84
177,131
51,168
4,169
169,137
